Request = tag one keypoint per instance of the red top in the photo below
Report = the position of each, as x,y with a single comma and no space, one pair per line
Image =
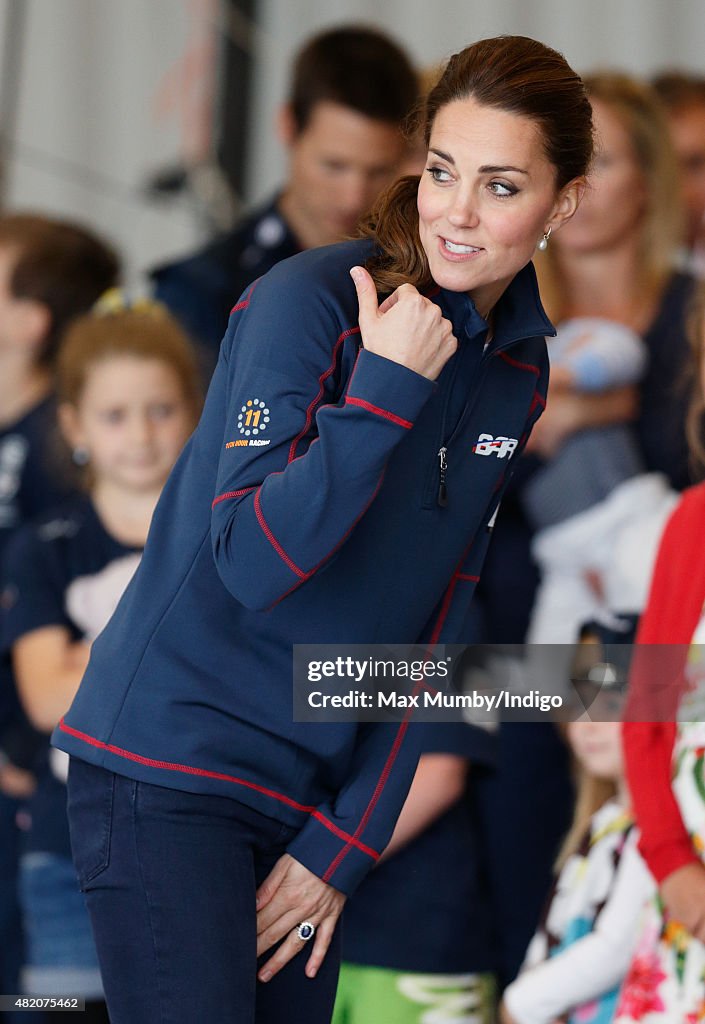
672,614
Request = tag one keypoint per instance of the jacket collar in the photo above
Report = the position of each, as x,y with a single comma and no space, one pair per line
518,314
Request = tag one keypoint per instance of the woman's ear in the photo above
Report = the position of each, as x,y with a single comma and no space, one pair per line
568,202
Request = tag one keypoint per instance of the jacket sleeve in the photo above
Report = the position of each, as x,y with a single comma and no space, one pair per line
300,462
343,840
665,844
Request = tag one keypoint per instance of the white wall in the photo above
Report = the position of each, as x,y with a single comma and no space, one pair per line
100,107
641,36
111,90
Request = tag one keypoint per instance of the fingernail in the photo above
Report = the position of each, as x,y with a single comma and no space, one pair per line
310,972
265,976
356,273
258,903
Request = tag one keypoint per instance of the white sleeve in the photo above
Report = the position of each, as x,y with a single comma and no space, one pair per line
593,965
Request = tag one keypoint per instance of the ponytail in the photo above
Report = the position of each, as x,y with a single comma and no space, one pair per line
394,225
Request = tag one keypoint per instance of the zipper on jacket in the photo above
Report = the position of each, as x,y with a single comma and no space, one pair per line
440,466
439,469
442,489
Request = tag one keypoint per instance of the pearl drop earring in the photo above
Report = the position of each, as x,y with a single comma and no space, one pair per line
543,242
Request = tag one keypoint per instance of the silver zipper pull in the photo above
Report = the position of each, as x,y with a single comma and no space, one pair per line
442,489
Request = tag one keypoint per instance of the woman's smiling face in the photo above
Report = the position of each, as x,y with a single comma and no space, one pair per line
486,197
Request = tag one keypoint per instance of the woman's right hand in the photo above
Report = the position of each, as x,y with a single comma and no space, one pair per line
683,892
407,328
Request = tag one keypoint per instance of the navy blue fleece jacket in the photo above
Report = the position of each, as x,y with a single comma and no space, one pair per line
305,509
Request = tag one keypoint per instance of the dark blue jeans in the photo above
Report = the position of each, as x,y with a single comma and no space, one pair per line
170,880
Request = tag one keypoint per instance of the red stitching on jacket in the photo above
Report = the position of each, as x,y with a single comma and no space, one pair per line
244,303
231,494
330,554
445,606
321,382
303,454
273,540
350,400
448,596
352,526
537,399
379,788
354,371
521,366
202,772
303,576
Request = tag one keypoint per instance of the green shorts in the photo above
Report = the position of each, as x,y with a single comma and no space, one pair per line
378,995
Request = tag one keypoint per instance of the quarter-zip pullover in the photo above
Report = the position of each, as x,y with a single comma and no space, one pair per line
305,509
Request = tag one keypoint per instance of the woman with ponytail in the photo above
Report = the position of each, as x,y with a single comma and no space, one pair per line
340,488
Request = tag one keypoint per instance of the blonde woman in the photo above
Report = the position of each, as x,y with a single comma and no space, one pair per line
615,261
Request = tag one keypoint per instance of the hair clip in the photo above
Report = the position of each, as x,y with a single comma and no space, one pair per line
118,300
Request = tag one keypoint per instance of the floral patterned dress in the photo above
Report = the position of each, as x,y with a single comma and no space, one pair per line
666,981
579,956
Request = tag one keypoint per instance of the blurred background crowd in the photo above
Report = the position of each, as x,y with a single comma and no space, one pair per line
154,161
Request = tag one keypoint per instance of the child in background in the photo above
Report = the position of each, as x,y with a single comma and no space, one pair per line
128,400
594,490
417,933
50,272
580,955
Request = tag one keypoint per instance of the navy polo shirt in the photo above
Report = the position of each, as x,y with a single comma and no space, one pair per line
201,289
64,570
30,483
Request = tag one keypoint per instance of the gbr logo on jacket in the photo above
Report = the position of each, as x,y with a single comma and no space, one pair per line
500,446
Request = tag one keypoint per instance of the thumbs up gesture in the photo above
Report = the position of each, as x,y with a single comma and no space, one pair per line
407,328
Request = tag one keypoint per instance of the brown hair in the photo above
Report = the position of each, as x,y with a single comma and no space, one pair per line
695,422
592,794
58,264
149,332
510,73
357,67
679,91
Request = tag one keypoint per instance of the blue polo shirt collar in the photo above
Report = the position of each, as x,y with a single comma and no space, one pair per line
518,314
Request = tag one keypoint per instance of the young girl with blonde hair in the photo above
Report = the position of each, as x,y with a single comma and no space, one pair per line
582,949
127,402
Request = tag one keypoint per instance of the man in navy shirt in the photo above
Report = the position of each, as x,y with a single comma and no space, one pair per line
351,90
